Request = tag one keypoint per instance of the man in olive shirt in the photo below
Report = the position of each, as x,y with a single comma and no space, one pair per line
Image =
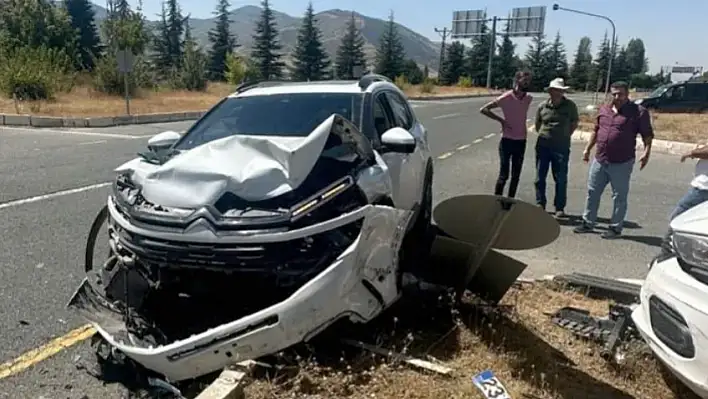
556,120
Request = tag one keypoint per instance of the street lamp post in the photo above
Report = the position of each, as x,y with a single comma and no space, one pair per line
556,7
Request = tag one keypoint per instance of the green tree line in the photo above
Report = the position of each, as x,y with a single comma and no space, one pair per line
61,41
546,60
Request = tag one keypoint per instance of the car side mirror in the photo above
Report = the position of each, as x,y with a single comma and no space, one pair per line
398,140
163,141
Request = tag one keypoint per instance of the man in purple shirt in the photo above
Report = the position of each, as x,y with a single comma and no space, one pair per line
616,129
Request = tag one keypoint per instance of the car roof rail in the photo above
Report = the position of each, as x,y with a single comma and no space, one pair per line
258,83
370,78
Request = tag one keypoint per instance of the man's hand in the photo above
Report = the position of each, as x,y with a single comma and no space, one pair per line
505,125
643,160
586,156
685,156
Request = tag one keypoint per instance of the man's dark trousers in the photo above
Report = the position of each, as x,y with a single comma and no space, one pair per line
556,159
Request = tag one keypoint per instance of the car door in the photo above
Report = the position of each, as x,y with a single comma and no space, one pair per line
407,170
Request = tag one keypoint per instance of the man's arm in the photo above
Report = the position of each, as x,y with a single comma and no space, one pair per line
698,153
574,118
646,130
487,108
539,121
593,135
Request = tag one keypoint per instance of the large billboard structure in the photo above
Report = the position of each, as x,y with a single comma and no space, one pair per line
523,22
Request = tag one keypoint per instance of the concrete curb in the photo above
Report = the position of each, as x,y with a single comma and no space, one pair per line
54,122
139,119
664,146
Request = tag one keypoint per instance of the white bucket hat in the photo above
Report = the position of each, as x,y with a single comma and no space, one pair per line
558,83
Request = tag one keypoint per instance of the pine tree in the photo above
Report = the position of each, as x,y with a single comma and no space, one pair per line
266,47
168,45
505,63
311,61
82,20
621,69
193,70
390,55
557,59
125,28
222,41
537,62
599,74
453,64
350,52
636,56
478,58
582,65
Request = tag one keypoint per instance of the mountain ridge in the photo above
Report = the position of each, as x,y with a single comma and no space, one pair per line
331,22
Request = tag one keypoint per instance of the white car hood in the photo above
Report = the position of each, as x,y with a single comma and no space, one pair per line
693,221
251,167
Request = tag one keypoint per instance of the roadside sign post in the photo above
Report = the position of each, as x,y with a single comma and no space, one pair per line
523,22
125,60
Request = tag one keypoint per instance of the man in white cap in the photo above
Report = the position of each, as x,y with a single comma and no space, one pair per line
556,120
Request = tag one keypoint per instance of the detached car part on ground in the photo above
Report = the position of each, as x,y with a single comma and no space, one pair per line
673,313
246,245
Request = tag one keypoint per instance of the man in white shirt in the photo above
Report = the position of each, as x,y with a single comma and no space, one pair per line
697,193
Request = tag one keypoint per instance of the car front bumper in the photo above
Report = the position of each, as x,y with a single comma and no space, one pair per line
358,285
673,319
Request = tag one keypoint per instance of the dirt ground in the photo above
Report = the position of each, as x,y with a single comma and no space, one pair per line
532,357
85,102
689,128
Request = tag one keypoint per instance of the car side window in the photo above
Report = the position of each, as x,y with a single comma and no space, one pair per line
382,122
401,112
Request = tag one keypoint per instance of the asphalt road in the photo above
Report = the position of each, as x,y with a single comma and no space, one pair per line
45,226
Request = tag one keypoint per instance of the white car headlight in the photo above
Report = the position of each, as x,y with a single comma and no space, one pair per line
692,249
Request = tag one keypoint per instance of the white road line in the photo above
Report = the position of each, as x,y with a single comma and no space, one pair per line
445,155
490,135
43,197
446,116
75,132
477,141
93,142
462,147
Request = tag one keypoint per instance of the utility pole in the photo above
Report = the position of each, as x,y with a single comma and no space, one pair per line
492,45
444,32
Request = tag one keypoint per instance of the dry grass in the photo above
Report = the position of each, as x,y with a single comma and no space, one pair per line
532,357
689,128
85,102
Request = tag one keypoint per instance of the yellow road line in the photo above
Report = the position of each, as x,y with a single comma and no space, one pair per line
29,359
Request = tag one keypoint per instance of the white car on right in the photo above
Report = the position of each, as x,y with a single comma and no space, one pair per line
673,313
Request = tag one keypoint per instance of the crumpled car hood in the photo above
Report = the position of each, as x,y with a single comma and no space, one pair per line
251,167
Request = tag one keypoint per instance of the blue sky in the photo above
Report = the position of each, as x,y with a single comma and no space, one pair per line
672,31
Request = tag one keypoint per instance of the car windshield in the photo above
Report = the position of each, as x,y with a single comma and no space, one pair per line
287,114
658,91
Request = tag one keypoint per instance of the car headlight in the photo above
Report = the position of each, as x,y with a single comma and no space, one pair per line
692,249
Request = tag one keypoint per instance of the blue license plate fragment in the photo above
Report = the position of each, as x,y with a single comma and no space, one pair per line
490,386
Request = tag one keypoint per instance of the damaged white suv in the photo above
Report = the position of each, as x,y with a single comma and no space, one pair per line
283,209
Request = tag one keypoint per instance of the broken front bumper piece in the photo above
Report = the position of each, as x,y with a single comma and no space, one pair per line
673,319
360,282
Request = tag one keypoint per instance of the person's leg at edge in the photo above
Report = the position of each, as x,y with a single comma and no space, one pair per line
504,159
517,163
693,197
597,181
620,175
542,164
559,167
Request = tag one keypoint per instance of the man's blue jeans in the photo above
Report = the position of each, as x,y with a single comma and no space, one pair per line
618,176
557,160
692,198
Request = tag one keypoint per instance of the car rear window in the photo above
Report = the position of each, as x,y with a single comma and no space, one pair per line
289,114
